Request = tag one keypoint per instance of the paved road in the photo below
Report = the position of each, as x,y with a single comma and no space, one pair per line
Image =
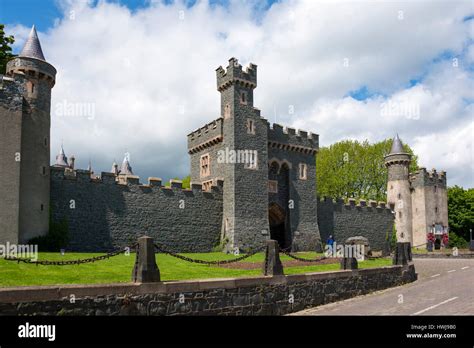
444,287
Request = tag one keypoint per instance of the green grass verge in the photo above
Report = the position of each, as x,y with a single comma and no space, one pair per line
119,268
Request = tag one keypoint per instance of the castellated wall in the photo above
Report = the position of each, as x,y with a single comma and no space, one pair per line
108,215
373,221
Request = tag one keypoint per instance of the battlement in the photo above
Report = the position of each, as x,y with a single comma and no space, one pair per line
290,139
422,177
84,176
32,67
351,203
235,75
208,135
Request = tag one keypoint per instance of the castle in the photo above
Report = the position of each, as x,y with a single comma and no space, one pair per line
250,181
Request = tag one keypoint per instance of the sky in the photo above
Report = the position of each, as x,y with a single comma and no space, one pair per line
137,76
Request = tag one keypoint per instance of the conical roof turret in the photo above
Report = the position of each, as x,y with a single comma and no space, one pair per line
397,146
126,169
61,159
32,47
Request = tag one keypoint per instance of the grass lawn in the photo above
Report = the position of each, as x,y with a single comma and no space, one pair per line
119,269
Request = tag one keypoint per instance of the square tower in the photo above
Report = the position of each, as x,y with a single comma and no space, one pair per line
429,204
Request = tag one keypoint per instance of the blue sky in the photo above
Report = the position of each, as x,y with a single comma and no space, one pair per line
147,71
43,13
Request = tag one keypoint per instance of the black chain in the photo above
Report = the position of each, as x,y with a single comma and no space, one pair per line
222,262
73,262
301,258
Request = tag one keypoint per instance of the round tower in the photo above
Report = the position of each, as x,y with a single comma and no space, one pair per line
398,189
37,78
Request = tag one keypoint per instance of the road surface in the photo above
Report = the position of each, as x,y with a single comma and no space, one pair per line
444,287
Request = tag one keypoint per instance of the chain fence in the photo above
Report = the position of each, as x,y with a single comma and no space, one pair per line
73,262
298,258
161,249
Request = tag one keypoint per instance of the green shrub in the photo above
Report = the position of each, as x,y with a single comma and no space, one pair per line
457,241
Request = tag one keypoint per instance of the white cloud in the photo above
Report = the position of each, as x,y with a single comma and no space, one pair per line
149,75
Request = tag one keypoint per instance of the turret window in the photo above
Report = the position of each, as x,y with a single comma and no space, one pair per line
303,171
243,97
250,126
435,188
206,185
227,111
205,165
32,88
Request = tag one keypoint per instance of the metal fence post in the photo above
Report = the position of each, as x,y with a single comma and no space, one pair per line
145,269
272,265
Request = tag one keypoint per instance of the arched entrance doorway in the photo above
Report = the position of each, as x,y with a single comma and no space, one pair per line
277,220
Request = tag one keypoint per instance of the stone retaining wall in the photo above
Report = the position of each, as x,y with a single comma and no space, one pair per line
276,295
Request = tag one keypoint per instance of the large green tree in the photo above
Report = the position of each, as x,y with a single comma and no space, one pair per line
5,49
351,168
461,210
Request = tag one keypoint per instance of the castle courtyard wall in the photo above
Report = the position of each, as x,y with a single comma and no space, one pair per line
104,215
372,221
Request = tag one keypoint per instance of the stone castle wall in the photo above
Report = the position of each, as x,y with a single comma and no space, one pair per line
234,296
104,215
375,222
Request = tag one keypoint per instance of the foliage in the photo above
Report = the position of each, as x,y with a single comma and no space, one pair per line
457,241
5,49
56,239
356,169
186,182
461,211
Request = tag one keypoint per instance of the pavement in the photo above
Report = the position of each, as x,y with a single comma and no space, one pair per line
444,287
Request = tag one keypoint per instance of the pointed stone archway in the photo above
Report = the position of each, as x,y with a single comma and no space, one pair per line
277,221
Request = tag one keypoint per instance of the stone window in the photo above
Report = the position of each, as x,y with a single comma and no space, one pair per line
399,196
303,171
32,88
436,209
250,126
205,165
243,97
227,111
251,161
42,207
206,185
435,188
272,186
400,214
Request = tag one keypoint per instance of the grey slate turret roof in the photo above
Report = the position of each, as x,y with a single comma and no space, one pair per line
32,47
126,169
61,159
397,146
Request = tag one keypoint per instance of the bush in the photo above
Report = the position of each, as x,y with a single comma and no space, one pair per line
56,239
457,241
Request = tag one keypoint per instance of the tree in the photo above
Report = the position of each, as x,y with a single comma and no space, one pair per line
356,169
461,211
5,49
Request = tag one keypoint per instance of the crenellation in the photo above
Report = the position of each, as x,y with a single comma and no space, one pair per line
292,140
176,184
154,182
235,75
